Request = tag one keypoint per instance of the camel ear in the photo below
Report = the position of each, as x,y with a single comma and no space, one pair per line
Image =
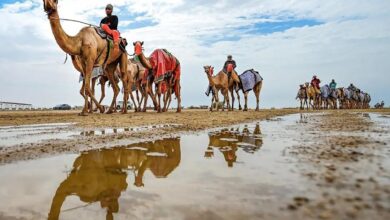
142,43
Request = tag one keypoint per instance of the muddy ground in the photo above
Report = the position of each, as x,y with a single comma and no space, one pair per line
187,121
346,155
343,156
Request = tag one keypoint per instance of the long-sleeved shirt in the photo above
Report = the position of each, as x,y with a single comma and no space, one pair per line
227,63
112,22
333,85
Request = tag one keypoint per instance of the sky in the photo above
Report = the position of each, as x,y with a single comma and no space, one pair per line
287,41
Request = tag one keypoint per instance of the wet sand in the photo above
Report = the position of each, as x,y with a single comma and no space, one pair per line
82,134
313,165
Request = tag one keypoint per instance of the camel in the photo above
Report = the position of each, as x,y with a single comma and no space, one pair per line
380,105
248,141
328,97
108,168
91,50
234,82
257,86
166,69
312,96
217,83
302,96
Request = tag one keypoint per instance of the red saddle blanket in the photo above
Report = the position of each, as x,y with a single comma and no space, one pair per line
164,63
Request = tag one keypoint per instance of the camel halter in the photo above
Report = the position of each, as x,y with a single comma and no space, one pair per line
73,20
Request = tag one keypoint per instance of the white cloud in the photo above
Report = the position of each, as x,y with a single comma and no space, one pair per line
351,46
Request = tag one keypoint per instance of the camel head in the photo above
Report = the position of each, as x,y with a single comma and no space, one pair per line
50,6
209,70
138,47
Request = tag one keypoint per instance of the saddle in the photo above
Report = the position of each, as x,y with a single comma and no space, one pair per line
104,35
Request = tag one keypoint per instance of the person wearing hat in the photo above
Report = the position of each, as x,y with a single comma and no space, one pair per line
315,82
110,25
229,61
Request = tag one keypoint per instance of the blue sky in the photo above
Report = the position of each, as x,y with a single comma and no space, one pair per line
286,40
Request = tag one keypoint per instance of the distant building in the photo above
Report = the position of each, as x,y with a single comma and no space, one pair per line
14,106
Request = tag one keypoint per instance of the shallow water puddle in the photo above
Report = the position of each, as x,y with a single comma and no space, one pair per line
13,135
105,131
239,172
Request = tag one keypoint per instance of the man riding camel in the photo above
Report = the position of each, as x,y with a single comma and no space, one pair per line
110,25
315,82
333,85
229,61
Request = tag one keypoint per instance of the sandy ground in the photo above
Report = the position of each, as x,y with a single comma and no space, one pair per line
345,155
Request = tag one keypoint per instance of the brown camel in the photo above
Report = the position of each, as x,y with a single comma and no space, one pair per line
313,97
90,49
256,90
217,83
234,82
302,96
166,70
144,85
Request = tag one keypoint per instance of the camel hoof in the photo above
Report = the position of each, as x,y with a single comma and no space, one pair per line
257,110
102,109
239,108
83,114
178,111
245,110
110,111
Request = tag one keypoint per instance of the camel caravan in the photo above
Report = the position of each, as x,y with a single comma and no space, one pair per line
227,80
331,97
99,55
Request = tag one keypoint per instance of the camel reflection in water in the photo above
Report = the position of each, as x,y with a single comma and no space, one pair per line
100,175
228,141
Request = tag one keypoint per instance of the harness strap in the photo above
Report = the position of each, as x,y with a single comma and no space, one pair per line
108,52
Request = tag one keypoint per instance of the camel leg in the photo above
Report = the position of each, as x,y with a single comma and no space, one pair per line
217,100
158,93
227,100
178,96
125,97
110,72
88,75
132,98
238,98
91,110
256,90
103,89
232,95
145,97
246,101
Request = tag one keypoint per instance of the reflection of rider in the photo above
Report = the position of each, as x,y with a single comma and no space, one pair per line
315,82
224,140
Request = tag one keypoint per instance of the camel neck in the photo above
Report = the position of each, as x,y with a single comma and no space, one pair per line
67,43
145,61
211,81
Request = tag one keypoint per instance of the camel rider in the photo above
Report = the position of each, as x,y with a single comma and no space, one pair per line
352,87
229,61
333,85
315,82
110,25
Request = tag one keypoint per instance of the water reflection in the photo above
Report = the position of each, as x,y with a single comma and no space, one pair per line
228,141
100,175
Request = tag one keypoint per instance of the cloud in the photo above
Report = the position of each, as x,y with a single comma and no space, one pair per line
288,41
